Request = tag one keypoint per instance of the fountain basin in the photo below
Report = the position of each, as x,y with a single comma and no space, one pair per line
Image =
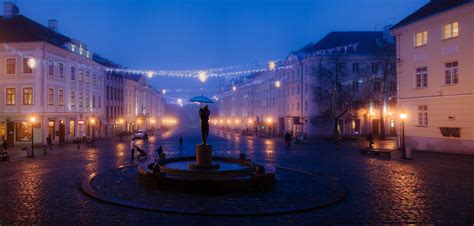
232,175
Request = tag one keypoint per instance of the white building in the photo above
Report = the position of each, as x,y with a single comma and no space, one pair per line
49,77
436,76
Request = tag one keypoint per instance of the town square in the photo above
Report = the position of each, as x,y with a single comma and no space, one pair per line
305,112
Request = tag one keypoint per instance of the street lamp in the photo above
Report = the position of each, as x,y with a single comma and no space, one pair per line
277,84
32,120
92,121
403,116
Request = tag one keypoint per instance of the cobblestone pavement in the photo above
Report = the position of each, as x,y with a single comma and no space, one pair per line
432,188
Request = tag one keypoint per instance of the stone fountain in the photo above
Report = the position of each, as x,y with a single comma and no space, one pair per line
205,173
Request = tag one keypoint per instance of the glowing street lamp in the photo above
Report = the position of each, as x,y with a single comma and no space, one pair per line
202,76
234,88
31,62
403,117
92,122
163,91
277,84
32,120
271,65
150,74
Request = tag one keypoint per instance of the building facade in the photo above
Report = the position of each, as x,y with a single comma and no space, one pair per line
436,76
284,98
50,86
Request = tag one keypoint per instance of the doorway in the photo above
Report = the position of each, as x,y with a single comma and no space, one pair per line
375,126
62,132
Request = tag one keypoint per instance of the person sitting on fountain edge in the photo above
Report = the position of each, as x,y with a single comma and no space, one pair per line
204,115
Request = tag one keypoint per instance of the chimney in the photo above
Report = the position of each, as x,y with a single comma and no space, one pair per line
10,9
53,25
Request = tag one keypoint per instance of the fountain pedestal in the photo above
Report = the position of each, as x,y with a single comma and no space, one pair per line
203,158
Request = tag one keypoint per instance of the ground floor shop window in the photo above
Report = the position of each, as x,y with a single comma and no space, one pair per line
72,128
3,130
23,131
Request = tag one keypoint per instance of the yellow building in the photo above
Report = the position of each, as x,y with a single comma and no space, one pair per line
436,76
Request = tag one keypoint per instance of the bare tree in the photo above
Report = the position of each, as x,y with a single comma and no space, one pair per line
332,90
379,80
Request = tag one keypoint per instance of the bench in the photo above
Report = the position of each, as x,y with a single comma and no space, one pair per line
377,152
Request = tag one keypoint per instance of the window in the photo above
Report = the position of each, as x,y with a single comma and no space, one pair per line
339,67
421,77
100,100
61,97
423,115
11,96
73,73
23,131
88,104
11,66
80,99
73,99
26,66
451,30
421,38
61,70
27,96
51,68
306,105
88,77
81,74
355,67
94,79
51,96
93,101
72,125
375,67
355,86
451,73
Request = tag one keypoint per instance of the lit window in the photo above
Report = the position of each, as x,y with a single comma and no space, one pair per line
60,97
73,99
11,96
451,73
451,30
81,75
80,99
421,77
11,66
51,97
423,115
421,38
27,96
88,77
26,66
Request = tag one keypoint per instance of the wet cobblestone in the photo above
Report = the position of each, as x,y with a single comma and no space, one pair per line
432,188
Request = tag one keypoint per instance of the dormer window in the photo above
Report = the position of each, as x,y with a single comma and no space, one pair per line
73,48
451,30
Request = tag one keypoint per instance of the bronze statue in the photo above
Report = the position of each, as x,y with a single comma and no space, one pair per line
204,115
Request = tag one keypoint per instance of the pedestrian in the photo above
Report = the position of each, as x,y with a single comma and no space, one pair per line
132,147
180,147
145,136
288,139
49,142
4,146
161,154
370,139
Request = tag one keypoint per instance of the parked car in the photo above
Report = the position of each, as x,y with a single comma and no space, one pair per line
139,134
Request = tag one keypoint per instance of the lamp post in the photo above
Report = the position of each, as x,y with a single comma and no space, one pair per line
403,116
92,121
32,120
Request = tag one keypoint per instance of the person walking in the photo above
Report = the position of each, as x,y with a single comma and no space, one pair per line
4,146
49,142
132,147
180,147
288,139
370,139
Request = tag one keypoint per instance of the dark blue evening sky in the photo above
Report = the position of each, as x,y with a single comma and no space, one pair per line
196,34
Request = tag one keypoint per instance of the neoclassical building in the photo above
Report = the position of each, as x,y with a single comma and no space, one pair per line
48,78
436,76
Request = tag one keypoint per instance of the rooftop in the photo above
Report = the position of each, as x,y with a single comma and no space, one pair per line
430,9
